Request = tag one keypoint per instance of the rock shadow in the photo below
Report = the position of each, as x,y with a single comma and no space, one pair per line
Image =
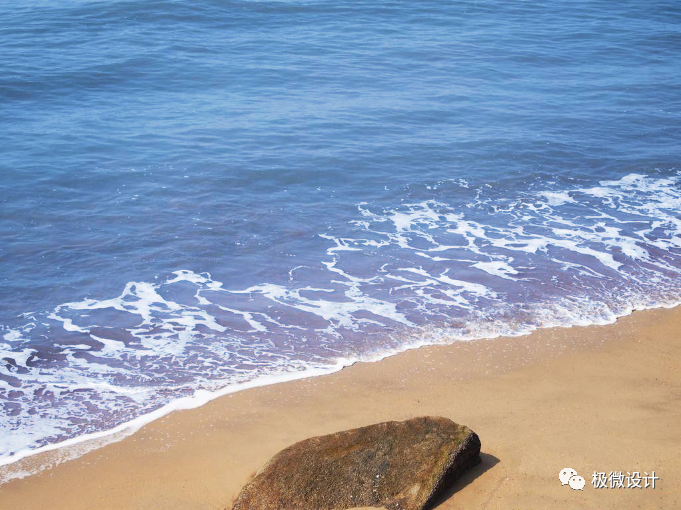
488,462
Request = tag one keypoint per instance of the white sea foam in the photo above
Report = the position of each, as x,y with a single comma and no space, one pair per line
498,268
394,278
557,198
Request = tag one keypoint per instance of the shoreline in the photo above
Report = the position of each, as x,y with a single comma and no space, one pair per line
92,441
413,373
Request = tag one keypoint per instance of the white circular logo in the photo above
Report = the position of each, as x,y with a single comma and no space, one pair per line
577,483
565,475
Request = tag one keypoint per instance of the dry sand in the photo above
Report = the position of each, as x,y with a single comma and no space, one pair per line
602,398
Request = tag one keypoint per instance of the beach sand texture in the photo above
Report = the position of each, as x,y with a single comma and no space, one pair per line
595,399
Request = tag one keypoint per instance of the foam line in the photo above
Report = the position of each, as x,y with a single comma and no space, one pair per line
202,397
490,263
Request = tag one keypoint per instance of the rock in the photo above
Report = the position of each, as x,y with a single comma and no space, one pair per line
395,465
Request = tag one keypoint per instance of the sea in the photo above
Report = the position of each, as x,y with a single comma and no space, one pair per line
201,196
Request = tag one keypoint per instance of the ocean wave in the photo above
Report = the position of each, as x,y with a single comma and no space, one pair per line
393,278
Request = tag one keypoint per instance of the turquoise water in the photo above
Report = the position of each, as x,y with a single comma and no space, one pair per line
198,194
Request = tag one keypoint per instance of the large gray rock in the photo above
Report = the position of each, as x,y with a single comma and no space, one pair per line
396,465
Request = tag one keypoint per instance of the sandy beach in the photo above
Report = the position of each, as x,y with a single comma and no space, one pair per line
595,399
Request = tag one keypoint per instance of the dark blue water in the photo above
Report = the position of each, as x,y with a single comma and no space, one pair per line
196,194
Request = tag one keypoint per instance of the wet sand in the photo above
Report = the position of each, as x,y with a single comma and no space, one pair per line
599,398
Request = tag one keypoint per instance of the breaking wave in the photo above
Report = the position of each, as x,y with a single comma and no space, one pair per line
483,264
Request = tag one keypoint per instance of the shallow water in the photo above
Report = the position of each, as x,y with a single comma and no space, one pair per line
197,194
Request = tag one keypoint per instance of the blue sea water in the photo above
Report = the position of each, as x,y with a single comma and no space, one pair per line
196,194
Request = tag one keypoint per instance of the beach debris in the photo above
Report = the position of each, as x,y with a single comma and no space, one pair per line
394,465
